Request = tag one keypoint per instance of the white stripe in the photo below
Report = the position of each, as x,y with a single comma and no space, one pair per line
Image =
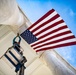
11,57
46,32
60,31
47,25
70,34
47,18
18,56
63,42
51,29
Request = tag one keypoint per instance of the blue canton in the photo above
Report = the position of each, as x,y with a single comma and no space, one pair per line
28,37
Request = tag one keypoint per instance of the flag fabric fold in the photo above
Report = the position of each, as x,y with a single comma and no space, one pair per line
49,32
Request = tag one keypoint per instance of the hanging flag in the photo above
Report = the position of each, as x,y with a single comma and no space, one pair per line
15,58
49,32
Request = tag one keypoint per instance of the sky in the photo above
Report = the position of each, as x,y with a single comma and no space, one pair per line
34,9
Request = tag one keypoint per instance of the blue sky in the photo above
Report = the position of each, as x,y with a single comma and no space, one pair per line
34,9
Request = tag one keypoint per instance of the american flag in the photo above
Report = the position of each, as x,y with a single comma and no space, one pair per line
49,32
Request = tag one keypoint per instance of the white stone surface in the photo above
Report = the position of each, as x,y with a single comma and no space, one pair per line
56,66
9,13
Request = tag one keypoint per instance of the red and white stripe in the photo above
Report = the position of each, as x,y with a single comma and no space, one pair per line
52,32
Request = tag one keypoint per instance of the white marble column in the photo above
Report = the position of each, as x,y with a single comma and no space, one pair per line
56,66
9,13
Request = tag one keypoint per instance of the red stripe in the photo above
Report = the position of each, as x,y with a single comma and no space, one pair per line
49,27
57,35
57,46
60,34
49,33
56,41
43,24
43,17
